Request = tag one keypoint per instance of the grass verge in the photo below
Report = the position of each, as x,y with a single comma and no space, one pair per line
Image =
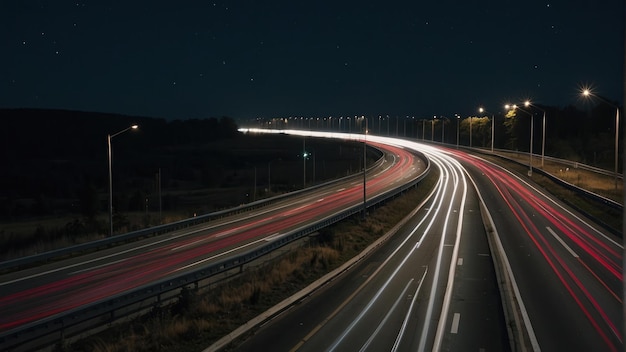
599,184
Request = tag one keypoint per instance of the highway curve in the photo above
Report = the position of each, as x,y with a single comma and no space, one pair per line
49,290
417,293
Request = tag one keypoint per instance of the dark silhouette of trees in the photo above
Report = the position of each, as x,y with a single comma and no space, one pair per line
56,160
573,133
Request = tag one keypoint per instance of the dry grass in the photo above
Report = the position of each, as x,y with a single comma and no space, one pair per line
603,185
599,184
20,239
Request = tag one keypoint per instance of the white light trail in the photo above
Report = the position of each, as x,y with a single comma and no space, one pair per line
451,172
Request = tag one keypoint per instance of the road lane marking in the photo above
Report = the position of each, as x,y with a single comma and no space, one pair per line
455,172
400,298
455,323
97,266
90,261
562,242
198,262
408,313
459,262
272,237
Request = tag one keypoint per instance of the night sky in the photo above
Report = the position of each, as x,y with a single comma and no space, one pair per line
245,59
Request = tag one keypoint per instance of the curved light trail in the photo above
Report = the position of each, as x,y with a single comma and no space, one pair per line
593,279
33,295
567,271
439,228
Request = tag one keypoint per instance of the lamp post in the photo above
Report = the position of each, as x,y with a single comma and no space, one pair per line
387,125
109,137
443,124
470,141
530,163
481,110
269,175
304,156
543,131
458,117
432,129
364,167
588,93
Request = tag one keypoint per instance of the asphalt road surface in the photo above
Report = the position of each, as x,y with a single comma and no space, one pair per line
30,295
438,292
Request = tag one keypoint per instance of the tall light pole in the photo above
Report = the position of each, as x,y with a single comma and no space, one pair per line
364,167
530,163
543,131
443,124
470,141
109,137
432,129
481,110
387,125
458,117
588,93
269,175
304,155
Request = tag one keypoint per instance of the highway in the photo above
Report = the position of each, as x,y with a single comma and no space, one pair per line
41,292
407,295
432,286
568,270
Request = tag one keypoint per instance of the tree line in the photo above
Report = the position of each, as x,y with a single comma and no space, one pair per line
56,160
586,135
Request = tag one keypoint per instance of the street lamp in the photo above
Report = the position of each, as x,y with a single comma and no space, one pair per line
470,141
109,137
481,110
364,166
304,156
458,117
587,93
515,107
443,123
432,129
269,174
543,130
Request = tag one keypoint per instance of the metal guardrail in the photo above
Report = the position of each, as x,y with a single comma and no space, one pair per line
574,164
581,191
586,193
593,196
174,226
42,332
